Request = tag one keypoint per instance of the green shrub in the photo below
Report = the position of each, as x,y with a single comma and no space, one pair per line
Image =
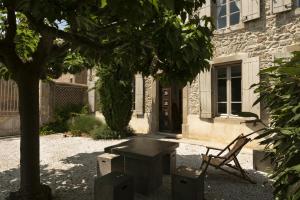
104,132
83,124
64,113
115,90
280,92
46,130
61,117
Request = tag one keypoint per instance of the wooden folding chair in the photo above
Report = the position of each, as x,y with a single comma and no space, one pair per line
227,155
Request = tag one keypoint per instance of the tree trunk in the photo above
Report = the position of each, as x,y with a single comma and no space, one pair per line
28,85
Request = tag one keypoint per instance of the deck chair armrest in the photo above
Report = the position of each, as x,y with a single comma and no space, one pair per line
214,148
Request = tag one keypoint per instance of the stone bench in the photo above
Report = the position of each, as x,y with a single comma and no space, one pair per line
114,186
187,183
108,162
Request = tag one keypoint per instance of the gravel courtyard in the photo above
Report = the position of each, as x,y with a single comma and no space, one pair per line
68,166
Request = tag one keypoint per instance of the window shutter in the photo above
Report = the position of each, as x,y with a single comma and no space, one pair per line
91,90
281,5
139,94
205,95
250,76
250,10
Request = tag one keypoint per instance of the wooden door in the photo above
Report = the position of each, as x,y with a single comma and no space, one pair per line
165,119
170,109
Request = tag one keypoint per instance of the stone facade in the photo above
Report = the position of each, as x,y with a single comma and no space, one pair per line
268,37
79,78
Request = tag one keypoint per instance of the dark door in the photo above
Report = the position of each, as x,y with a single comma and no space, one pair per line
170,109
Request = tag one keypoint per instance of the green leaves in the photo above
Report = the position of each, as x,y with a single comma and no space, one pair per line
26,39
280,91
115,89
103,3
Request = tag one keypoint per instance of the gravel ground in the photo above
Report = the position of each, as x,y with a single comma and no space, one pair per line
68,167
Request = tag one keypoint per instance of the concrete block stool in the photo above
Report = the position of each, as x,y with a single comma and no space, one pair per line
107,163
187,183
169,163
260,163
114,186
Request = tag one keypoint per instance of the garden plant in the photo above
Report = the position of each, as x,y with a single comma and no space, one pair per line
279,91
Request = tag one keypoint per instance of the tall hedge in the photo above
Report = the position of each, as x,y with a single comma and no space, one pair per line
115,90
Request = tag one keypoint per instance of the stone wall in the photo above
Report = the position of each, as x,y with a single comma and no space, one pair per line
262,37
148,94
270,36
265,37
80,78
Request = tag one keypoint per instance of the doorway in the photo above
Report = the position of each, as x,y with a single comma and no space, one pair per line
170,109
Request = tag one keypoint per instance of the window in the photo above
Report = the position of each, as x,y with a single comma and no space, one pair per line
228,13
298,3
228,90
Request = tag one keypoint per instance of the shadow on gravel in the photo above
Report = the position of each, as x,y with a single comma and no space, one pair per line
75,181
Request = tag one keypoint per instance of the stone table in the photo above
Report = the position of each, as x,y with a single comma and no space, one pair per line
143,159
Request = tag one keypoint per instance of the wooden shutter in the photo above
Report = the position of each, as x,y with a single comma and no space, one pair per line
139,94
205,95
250,76
250,10
281,5
205,9
91,89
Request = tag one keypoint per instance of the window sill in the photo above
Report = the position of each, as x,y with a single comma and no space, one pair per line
232,118
230,29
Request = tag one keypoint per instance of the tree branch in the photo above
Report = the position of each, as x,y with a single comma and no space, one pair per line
43,49
57,53
11,20
75,39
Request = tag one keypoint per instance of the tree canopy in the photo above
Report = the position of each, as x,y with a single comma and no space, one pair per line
152,36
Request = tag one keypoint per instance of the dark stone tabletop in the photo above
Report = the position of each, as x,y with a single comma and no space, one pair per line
142,148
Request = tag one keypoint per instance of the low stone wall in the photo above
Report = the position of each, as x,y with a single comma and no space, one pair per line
9,125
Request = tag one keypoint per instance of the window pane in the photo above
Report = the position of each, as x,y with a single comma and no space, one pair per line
234,18
221,22
222,73
222,90
236,108
236,90
233,7
236,71
221,11
222,108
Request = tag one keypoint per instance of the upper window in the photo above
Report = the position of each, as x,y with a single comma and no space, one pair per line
228,90
228,13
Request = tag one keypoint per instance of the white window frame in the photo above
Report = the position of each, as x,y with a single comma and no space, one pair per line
227,16
228,87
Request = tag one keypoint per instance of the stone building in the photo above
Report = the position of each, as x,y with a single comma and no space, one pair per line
249,35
